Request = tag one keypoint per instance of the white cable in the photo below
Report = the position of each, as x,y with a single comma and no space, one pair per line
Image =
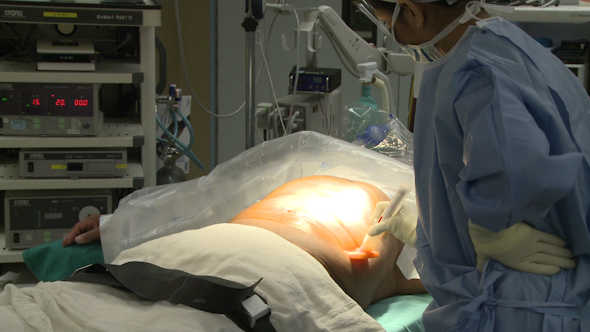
385,79
281,121
292,121
277,114
272,88
380,85
547,4
328,123
259,135
296,79
182,57
263,42
123,43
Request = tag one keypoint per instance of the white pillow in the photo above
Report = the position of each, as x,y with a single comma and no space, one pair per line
299,291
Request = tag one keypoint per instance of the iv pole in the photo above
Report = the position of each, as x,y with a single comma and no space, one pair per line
255,12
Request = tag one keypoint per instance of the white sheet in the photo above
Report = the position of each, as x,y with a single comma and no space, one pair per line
301,294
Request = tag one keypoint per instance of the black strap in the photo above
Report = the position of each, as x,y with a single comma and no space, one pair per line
212,294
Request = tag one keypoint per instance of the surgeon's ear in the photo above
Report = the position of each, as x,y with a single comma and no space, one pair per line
416,9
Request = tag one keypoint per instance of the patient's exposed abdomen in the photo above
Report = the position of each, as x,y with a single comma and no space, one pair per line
335,210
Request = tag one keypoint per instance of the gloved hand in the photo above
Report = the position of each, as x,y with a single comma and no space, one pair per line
522,248
402,224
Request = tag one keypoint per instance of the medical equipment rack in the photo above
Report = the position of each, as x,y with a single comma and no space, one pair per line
552,14
132,132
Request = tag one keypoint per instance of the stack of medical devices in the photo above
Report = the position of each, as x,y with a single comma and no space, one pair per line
36,110
61,162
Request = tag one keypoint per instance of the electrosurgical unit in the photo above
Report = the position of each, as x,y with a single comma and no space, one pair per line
49,109
34,217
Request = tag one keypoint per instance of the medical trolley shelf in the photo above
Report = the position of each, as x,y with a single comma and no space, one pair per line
550,14
10,179
135,132
114,133
140,70
113,72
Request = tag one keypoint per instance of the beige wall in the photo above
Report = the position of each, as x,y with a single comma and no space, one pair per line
194,18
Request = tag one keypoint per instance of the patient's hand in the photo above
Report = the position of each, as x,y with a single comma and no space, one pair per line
84,231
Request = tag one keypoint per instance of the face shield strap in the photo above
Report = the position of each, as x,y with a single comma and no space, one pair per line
427,51
369,12
472,8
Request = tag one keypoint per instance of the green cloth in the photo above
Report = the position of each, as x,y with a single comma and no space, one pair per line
52,261
400,313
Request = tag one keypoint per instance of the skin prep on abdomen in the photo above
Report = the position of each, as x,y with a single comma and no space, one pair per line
327,216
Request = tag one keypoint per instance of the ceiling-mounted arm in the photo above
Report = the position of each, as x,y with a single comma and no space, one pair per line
356,50
314,42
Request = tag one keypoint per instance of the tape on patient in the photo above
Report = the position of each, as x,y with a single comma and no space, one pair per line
405,262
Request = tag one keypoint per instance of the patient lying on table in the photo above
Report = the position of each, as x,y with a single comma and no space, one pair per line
324,216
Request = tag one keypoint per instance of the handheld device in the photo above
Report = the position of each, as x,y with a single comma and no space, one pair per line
370,242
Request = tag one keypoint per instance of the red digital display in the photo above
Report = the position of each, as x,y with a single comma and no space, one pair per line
80,102
36,102
62,102
66,103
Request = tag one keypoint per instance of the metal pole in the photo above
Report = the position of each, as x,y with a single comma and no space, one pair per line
250,24
250,96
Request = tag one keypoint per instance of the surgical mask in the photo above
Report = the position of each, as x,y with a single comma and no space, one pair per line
428,52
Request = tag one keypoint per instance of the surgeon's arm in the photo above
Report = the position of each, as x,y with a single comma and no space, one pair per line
512,172
516,166
84,231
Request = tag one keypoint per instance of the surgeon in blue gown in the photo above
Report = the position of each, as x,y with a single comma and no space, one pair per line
502,154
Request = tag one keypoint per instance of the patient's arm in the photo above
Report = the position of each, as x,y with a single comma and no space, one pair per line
325,216
84,231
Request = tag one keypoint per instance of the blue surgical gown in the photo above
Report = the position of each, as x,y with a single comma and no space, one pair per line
502,135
